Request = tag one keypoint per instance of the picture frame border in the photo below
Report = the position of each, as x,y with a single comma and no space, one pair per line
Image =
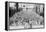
6,14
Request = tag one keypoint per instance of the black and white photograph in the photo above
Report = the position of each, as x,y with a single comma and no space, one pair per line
24,15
